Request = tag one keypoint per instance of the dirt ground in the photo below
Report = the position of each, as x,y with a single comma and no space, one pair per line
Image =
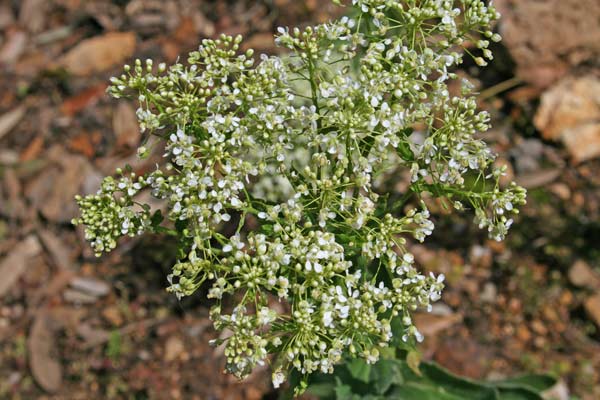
76,327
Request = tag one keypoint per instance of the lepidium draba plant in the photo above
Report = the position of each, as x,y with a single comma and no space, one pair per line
298,145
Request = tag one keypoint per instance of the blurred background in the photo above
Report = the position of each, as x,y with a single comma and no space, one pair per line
76,327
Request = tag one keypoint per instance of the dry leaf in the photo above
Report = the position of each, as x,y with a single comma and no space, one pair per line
261,42
86,143
6,15
53,190
92,334
174,347
33,150
33,14
66,317
13,47
430,324
91,286
15,264
78,298
59,252
8,157
413,360
82,100
204,26
186,31
14,205
55,285
99,53
46,370
10,119
539,178
125,125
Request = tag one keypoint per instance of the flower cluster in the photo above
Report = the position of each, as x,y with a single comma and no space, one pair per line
113,212
299,147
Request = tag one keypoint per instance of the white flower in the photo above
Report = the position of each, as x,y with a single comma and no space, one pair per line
328,319
278,378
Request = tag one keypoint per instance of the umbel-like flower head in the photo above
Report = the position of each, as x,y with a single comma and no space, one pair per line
300,145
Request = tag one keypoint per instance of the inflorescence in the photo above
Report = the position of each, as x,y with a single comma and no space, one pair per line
300,146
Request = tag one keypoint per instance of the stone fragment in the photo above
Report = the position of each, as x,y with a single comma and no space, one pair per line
592,307
570,112
582,275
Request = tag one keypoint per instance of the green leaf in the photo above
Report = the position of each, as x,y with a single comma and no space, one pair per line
534,382
397,342
368,141
392,378
467,388
386,373
415,391
360,370
343,392
157,219
267,229
403,149
518,394
322,390
181,225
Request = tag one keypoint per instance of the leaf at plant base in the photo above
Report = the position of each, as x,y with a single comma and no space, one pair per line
343,392
41,344
360,370
414,391
518,394
467,388
535,382
386,373
438,378
387,353
396,379
323,390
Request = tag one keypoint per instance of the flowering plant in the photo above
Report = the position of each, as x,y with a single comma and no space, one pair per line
299,146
